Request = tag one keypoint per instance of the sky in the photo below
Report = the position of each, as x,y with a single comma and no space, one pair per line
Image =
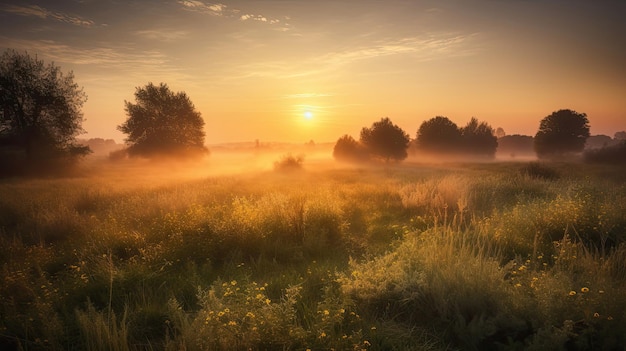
296,70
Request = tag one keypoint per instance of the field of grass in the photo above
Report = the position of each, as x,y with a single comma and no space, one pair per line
491,256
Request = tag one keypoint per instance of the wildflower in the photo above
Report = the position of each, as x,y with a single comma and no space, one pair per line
601,291
609,318
366,343
226,310
585,289
572,293
322,335
267,301
250,315
373,328
326,313
233,282
518,285
342,310
232,323
596,315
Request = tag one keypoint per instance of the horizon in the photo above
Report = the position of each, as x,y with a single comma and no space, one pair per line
293,71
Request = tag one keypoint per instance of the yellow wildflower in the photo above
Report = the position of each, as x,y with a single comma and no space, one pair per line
585,289
572,293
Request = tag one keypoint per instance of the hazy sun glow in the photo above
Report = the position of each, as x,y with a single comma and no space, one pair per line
335,66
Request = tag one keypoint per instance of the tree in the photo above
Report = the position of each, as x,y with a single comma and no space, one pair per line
439,135
500,132
162,122
478,139
620,135
562,132
349,150
386,140
40,109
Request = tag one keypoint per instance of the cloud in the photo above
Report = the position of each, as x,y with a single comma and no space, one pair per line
221,10
163,34
37,11
208,8
435,46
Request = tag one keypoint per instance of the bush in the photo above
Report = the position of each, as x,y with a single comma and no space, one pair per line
289,163
614,154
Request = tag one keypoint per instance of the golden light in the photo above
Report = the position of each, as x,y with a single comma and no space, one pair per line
308,114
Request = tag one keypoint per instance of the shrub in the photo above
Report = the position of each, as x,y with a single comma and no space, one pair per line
289,163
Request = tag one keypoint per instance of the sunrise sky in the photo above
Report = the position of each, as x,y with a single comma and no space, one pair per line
299,70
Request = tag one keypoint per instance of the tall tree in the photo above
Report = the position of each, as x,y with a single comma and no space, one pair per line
562,132
40,108
478,139
439,135
349,150
162,122
385,140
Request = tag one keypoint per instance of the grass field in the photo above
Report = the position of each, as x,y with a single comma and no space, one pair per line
487,256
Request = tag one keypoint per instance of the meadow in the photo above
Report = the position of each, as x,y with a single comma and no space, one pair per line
477,256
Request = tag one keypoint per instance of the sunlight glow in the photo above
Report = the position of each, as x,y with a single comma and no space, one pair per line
308,114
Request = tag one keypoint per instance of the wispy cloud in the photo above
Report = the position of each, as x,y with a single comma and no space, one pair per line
214,9
435,46
164,34
221,10
421,49
37,11
259,18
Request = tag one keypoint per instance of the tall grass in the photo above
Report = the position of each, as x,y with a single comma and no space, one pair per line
490,256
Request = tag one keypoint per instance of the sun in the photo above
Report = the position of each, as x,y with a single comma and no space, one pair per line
308,115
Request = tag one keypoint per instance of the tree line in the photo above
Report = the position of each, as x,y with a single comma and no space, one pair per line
40,118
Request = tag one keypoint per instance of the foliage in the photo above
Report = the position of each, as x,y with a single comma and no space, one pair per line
419,258
289,163
385,140
478,139
439,135
162,122
562,132
613,154
349,150
442,136
41,109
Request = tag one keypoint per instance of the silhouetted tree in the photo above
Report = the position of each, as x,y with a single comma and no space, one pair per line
612,154
620,135
599,141
478,139
562,132
500,133
349,150
40,109
439,135
163,123
386,140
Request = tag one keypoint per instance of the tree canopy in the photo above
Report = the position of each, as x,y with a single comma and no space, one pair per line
478,138
162,122
40,108
562,132
439,135
385,140
442,136
349,150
